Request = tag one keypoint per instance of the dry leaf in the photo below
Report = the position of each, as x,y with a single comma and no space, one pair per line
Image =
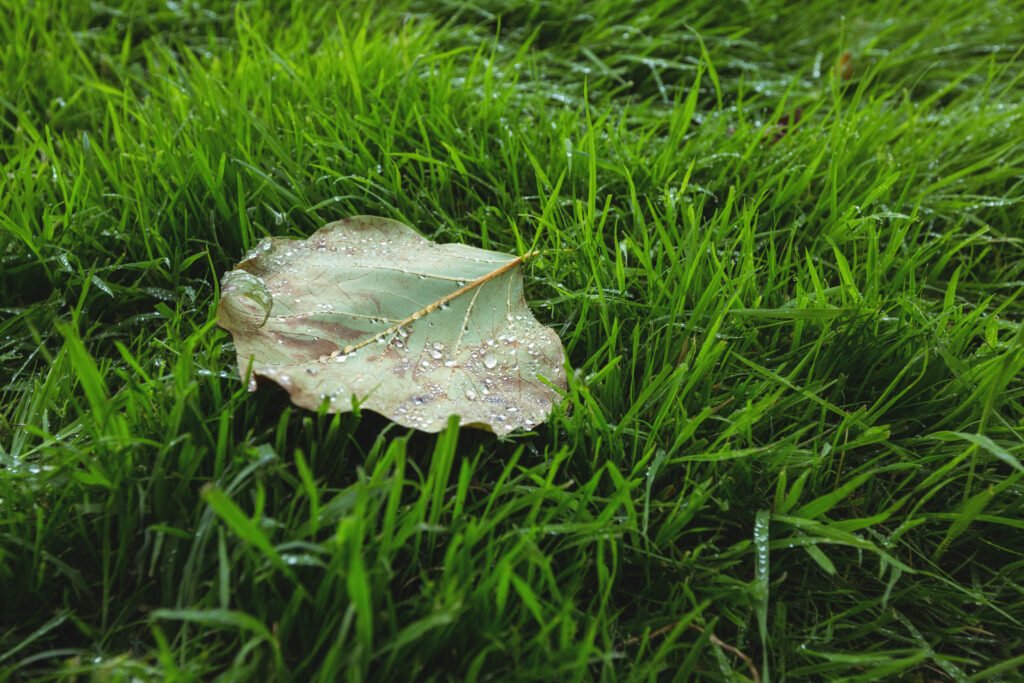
844,66
787,123
368,310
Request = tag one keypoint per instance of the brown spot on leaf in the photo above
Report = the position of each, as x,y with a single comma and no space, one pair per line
339,331
305,348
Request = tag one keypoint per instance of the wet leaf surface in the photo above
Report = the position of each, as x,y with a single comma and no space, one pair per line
367,310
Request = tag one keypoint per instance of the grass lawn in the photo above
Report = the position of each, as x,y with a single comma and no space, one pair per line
783,244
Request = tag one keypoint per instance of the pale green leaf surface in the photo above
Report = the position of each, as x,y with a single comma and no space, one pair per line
368,309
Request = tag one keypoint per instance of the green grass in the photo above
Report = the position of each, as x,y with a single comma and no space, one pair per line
793,433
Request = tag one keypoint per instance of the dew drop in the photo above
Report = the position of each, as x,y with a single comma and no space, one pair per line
470,394
435,354
490,361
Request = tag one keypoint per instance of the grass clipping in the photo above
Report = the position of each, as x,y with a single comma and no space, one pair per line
367,312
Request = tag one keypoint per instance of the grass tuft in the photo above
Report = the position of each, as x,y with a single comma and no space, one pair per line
781,242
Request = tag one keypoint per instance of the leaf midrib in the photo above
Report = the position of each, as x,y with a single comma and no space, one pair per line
433,306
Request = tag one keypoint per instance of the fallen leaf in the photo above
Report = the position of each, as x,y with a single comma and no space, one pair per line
367,310
844,66
786,123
